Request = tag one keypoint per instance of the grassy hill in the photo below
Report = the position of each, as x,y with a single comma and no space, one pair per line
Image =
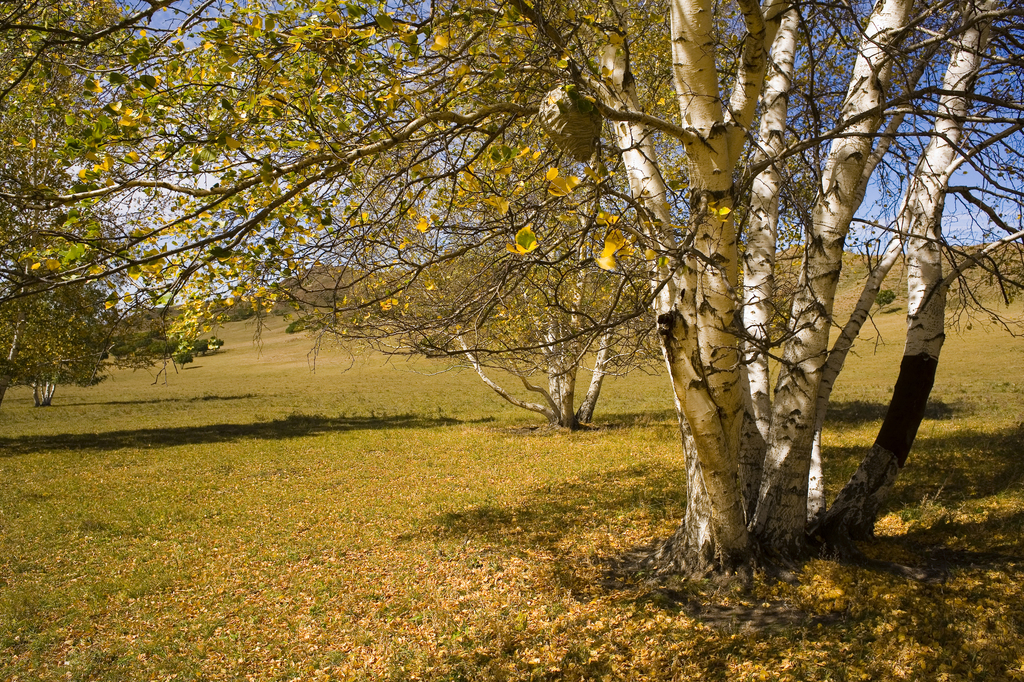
248,518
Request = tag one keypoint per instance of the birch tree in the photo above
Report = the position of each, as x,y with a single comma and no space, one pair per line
380,140
919,222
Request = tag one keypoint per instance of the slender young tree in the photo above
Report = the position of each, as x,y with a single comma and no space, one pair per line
853,514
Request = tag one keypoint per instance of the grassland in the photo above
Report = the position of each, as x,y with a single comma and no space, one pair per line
246,518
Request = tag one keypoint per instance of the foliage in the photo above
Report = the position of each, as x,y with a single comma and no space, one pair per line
389,148
884,298
62,336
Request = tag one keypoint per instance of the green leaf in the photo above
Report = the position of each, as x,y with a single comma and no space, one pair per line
385,22
526,241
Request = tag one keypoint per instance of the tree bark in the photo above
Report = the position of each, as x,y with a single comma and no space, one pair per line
7,371
759,260
585,414
836,359
781,516
854,513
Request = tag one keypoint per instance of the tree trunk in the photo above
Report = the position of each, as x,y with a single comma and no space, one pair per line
42,392
48,389
562,389
550,410
7,369
853,515
759,261
692,549
585,414
836,360
781,514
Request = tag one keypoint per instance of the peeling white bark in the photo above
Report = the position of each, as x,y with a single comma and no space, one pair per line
834,365
759,259
853,514
782,502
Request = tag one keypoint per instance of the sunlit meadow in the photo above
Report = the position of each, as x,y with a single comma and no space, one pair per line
250,518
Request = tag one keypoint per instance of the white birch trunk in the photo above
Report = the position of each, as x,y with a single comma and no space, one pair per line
759,259
834,365
550,411
698,333
12,356
853,514
782,502
585,414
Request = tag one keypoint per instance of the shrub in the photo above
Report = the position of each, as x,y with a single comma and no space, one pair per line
885,297
296,326
183,356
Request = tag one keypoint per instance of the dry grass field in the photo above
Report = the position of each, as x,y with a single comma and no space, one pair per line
248,519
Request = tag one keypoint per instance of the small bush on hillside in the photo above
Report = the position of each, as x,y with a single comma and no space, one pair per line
183,356
296,326
885,297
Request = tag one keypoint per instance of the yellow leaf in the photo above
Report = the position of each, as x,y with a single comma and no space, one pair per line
551,174
36,266
52,263
501,205
650,254
526,241
440,42
612,243
423,225
562,186
133,156
232,143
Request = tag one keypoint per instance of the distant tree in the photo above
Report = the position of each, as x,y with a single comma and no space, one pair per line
60,336
183,356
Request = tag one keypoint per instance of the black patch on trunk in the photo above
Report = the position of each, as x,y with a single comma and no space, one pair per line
906,409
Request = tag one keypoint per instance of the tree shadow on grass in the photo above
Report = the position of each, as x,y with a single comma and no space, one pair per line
970,463
859,412
154,401
553,512
965,464
294,426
